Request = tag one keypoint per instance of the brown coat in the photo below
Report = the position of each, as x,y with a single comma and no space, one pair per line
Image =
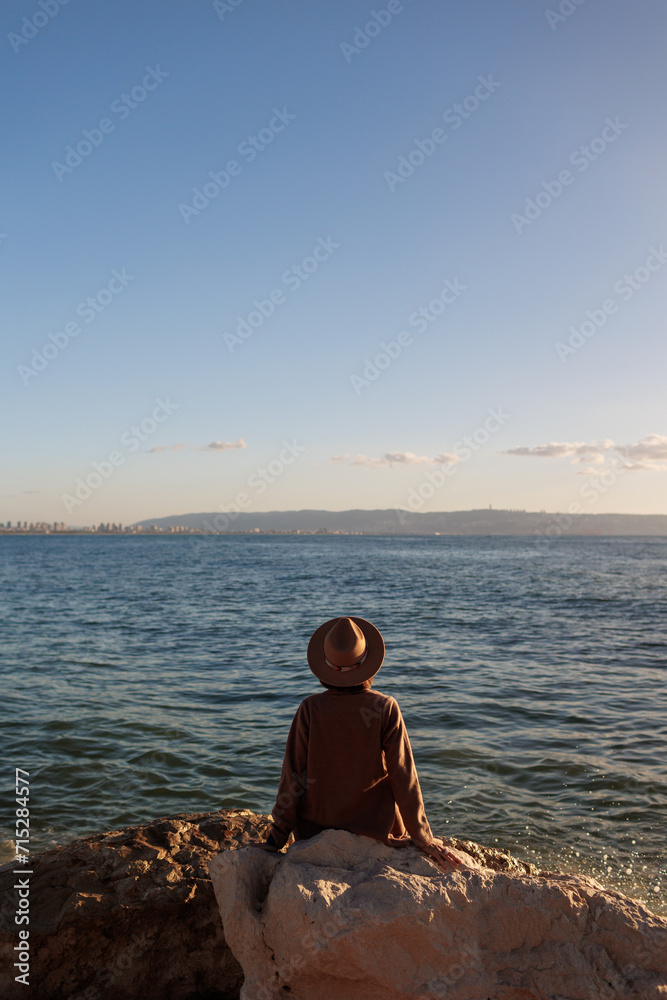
348,765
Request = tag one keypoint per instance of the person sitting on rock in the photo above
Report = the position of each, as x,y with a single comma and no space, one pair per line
348,762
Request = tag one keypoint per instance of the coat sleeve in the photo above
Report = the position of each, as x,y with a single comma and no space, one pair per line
293,781
403,775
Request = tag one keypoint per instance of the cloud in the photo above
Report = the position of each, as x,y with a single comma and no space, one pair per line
597,457
643,456
652,448
446,458
224,445
213,446
370,462
391,458
555,449
163,447
592,470
644,467
405,458
339,458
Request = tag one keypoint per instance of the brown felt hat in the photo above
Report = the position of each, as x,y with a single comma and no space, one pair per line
345,651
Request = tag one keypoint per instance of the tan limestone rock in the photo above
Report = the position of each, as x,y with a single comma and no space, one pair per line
342,917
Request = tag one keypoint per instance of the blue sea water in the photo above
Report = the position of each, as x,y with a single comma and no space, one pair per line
143,677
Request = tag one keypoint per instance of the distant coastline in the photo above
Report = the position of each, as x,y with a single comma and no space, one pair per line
393,521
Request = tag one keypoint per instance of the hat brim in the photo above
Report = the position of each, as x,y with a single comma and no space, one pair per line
346,678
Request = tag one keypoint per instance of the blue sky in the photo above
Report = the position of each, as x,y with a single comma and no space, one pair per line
529,227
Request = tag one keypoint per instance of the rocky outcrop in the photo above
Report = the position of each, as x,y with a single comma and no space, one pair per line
128,914
132,915
342,917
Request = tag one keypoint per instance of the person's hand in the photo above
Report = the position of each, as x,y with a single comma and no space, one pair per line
440,853
267,847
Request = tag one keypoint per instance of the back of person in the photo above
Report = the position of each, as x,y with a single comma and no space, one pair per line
347,783
348,762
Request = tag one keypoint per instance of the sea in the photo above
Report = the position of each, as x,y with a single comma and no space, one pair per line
147,676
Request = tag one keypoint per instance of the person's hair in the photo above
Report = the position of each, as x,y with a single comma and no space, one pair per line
364,686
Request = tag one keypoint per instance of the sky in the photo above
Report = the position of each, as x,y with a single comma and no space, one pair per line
270,256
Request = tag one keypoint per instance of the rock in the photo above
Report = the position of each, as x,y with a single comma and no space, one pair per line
128,914
342,917
132,915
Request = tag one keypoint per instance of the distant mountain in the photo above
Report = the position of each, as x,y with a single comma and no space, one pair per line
399,522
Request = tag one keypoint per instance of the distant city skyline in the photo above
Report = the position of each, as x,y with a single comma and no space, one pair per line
539,526
261,258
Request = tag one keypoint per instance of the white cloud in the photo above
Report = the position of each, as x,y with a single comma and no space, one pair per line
372,462
213,446
645,455
164,447
224,445
391,458
651,448
597,457
644,467
556,449
592,470
405,458
446,458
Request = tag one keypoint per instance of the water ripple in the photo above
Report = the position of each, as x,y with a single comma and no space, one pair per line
148,676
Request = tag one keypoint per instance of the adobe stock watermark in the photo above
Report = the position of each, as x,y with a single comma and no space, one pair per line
224,7
334,920
581,158
257,483
625,288
463,451
295,791
454,117
591,490
22,884
87,310
130,441
292,278
566,9
249,149
122,107
31,26
310,944
378,20
419,320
